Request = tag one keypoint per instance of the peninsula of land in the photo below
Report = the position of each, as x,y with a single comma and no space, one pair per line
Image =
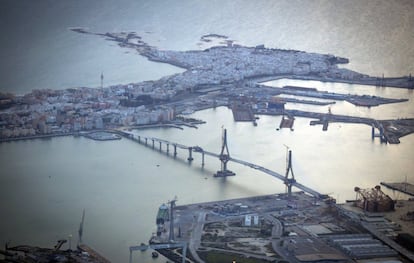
227,75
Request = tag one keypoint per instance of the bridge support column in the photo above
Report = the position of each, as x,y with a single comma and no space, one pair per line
190,154
373,132
146,141
160,147
289,181
153,146
139,139
175,150
168,148
224,158
202,159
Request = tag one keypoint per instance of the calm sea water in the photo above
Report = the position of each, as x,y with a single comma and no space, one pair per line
45,184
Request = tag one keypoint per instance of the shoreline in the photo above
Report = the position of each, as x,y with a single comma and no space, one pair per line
214,77
402,82
398,128
331,73
278,220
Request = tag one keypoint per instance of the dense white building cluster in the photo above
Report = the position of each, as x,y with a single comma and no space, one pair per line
232,63
73,110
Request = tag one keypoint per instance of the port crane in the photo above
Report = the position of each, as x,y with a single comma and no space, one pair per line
171,244
172,205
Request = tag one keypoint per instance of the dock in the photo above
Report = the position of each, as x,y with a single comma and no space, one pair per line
287,122
102,136
242,113
403,187
93,254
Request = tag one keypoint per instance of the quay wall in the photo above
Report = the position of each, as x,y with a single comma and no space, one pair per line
392,82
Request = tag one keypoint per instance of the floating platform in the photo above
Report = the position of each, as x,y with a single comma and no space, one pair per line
324,123
403,187
224,173
243,113
103,136
287,122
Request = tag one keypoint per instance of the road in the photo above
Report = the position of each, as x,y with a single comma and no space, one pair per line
195,238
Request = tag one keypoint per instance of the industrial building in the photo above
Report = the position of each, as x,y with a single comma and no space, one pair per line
360,246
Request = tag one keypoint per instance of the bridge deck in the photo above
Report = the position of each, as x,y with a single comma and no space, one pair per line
248,164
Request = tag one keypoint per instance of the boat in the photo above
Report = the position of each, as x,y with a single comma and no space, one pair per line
154,254
188,111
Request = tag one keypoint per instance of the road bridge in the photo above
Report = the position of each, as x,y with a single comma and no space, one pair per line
197,149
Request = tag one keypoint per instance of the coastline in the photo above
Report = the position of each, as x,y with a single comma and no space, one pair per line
214,77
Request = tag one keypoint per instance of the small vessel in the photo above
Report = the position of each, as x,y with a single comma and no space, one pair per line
188,111
154,254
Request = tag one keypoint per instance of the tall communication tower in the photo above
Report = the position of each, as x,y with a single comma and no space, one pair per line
102,78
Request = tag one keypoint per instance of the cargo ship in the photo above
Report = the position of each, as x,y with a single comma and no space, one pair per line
163,216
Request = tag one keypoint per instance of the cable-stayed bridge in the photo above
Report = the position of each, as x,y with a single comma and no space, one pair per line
223,156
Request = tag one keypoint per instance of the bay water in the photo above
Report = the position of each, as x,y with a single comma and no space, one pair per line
45,184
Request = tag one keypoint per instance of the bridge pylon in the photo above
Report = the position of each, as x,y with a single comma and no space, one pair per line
289,181
224,158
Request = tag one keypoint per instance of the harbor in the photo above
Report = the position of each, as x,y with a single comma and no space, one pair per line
209,81
119,73
278,227
269,228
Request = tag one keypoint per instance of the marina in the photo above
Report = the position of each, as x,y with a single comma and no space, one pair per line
103,136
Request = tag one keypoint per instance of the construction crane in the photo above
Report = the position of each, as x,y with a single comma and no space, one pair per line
80,231
172,205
